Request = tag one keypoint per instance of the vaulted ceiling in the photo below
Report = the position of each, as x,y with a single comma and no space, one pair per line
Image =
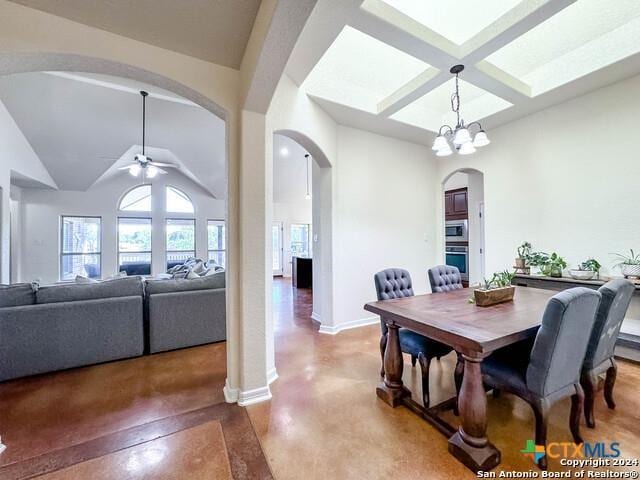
84,126
384,65
212,30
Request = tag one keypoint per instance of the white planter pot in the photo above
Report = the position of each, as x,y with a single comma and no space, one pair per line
631,270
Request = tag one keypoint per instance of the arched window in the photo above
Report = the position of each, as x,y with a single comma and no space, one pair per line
178,201
137,199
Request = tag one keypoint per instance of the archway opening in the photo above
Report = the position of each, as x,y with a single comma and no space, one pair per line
464,227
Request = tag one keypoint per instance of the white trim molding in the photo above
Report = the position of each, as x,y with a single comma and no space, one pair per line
230,394
272,376
335,329
316,316
257,395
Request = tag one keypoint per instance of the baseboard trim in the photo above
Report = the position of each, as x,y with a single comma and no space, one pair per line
335,329
251,397
230,394
272,376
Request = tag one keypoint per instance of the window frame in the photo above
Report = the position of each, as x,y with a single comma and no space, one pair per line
136,212
118,251
224,250
166,240
61,253
172,214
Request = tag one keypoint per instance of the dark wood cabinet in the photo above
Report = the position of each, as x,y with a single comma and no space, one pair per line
456,205
302,272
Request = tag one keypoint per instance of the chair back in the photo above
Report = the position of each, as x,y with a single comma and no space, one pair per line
392,283
444,278
561,343
616,296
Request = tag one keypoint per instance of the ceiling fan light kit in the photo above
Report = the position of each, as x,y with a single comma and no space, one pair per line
459,137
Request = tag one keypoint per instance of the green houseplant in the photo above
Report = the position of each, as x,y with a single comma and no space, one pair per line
524,251
496,290
553,266
586,270
629,265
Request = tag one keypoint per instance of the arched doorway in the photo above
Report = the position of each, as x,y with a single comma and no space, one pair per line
467,251
15,63
321,207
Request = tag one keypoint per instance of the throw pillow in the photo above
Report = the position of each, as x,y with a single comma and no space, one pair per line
83,279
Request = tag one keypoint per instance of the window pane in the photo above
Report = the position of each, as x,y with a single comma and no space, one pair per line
137,200
84,265
275,242
80,235
181,235
178,201
135,263
216,234
134,234
299,240
219,257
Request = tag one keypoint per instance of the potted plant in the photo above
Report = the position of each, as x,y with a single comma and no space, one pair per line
524,251
535,260
553,266
586,270
496,290
628,265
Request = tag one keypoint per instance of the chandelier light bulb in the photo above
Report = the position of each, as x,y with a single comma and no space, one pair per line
440,143
461,137
445,152
151,171
467,148
481,139
134,170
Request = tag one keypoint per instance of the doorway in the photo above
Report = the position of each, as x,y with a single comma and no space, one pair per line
277,232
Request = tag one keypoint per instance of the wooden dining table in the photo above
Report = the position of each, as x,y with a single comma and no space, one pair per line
474,333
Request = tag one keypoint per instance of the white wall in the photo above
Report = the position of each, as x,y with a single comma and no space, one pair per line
457,180
41,211
16,155
565,179
384,216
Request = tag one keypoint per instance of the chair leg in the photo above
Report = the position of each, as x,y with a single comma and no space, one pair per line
413,360
589,383
383,347
577,404
609,383
457,377
541,414
424,367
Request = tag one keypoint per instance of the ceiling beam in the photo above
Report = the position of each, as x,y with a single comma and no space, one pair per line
412,90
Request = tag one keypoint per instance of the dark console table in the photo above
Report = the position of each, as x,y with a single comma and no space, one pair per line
628,344
301,272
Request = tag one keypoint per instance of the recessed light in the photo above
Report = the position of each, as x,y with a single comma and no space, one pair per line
284,151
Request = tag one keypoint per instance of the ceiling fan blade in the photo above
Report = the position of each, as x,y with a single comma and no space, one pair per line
166,165
127,167
163,172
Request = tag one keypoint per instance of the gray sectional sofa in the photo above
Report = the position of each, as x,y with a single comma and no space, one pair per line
185,312
72,325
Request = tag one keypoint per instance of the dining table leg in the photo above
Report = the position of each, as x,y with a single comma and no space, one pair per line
470,444
392,390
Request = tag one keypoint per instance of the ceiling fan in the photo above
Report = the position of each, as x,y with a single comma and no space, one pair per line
142,164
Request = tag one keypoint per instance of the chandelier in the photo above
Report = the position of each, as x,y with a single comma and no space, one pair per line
458,137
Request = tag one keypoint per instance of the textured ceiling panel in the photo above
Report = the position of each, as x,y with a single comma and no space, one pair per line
434,109
584,37
360,71
456,20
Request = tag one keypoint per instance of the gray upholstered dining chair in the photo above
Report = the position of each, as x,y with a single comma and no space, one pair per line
396,283
550,371
444,278
616,296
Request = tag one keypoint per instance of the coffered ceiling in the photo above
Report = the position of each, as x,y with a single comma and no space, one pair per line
212,30
384,64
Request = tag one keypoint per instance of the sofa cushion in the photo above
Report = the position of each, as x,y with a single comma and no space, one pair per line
16,295
210,282
73,292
